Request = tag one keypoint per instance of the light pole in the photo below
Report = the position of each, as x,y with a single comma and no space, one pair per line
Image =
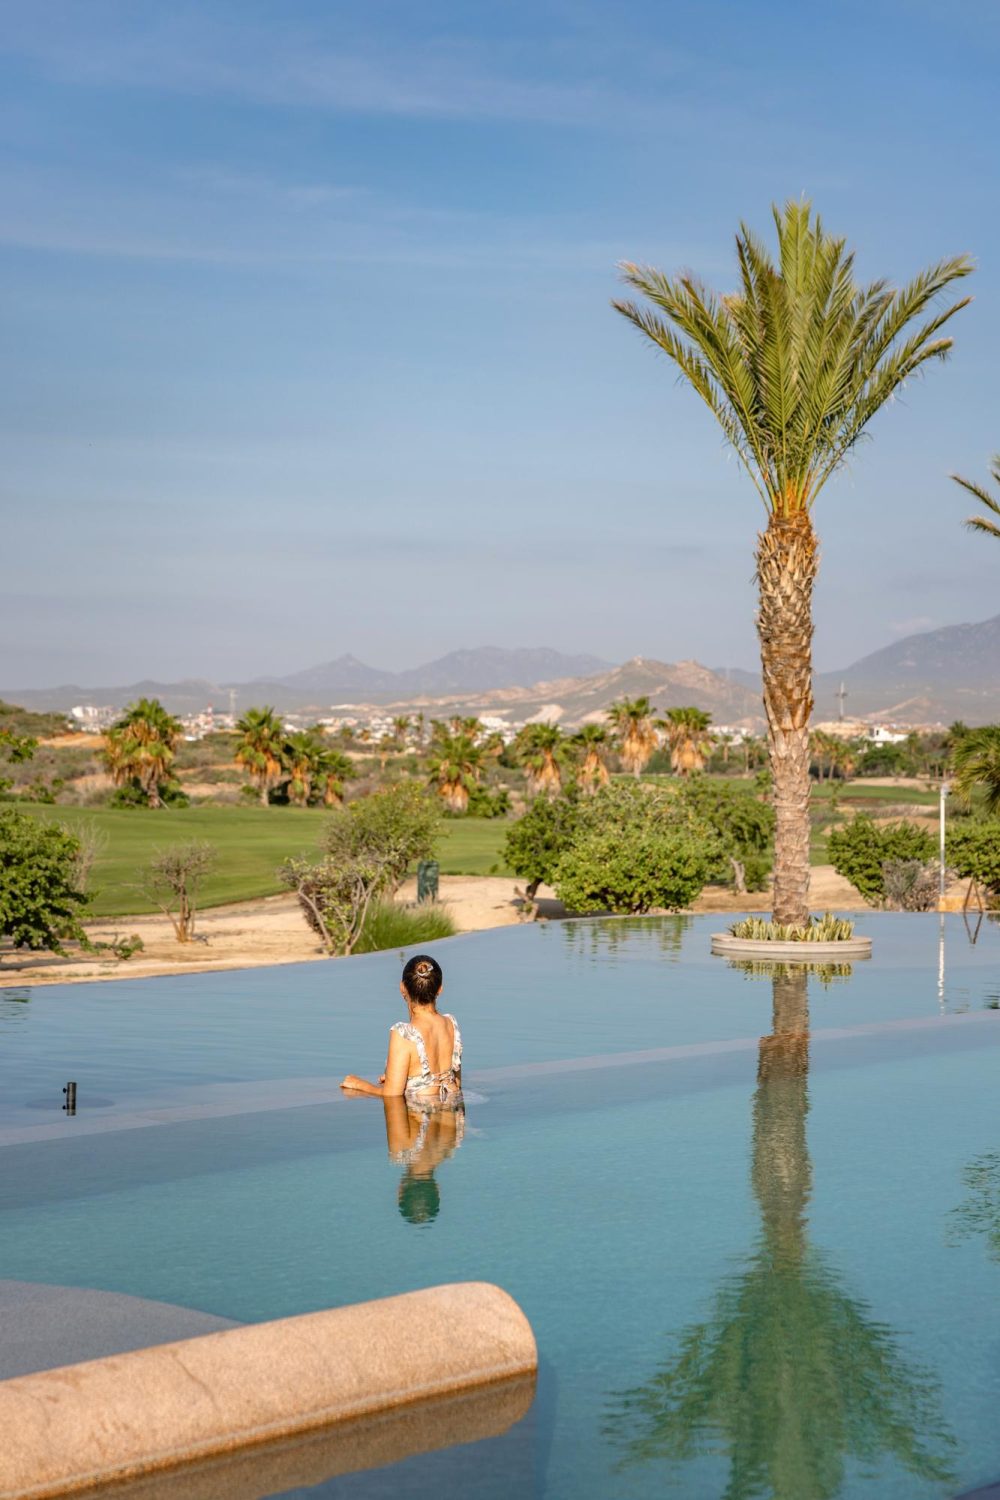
945,789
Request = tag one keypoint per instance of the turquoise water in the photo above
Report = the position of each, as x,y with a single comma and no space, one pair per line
753,1269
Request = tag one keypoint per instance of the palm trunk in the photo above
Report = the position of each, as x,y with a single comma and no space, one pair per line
787,560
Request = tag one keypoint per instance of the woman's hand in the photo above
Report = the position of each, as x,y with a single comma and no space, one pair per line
353,1082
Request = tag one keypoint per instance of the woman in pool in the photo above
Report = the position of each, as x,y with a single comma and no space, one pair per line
424,1064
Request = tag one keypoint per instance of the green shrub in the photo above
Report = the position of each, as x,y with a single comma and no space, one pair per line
860,849
390,926
537,841
744,825
636,847
973,851
40,898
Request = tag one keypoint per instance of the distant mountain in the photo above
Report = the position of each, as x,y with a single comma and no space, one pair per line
343,680
934,677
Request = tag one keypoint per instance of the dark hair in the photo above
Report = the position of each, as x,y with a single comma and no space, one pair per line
423,979
419,1199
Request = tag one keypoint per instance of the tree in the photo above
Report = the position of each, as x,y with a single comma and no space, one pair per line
41,900
260,752
140,749
592,740
860,850
300,754
369,847
743,825
632,722
793,365
688,737
973,851
975,763
172,881
635,847
455,768
541,750
989,502
330,770
15,749
537,841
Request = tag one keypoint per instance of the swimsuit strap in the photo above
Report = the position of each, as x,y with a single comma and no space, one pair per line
409,1033
456,1049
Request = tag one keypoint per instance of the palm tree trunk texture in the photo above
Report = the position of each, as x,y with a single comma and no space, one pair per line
787,561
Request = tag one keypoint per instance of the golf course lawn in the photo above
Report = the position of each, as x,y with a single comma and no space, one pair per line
251,844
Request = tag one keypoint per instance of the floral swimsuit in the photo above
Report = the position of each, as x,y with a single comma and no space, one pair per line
428,1087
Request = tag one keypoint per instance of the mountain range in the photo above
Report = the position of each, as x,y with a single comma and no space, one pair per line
933,677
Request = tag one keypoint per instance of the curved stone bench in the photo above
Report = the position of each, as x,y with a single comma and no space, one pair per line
335,1391
733,947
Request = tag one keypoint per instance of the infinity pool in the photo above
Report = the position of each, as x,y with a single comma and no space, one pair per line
753,1217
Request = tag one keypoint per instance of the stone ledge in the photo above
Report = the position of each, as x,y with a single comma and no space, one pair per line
132,1416
733,947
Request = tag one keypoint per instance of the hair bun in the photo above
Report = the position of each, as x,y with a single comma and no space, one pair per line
424,969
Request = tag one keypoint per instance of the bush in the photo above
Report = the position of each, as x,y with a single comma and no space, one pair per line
744,825
387,925
973,851
636,847
860,849
910,885
538,840
40,898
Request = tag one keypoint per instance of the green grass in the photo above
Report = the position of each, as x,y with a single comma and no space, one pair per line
252,842
859,791
390,926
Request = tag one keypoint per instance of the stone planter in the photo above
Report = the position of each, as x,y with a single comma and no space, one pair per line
728,946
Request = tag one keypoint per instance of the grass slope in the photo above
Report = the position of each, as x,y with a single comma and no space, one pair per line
252,842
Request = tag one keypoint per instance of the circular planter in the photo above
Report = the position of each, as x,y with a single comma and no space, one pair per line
734,947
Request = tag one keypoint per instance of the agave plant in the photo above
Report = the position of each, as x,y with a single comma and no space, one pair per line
793,365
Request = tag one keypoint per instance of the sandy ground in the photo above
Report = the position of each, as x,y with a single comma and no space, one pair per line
272,931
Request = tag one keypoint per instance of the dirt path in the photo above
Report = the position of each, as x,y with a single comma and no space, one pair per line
272,931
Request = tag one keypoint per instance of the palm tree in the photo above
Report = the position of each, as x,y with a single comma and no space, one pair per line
140,747
982,494
330,771
454,769
592,739
261,750
791,1377
793,366
540,748
301,754
688,737
975,762
400,729
632,722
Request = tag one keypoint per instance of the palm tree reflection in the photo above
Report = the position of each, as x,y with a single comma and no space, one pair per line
790,1376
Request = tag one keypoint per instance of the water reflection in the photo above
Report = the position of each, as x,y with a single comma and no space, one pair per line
980,1213
606,936
790,1377
420,1138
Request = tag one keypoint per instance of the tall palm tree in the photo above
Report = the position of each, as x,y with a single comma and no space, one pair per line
593,740
791,1377
541,749
975,762
454,769
688,737
793,365
261,750
302,753
632,722
140,747
989,502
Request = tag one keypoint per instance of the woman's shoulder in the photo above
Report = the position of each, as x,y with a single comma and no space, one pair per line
404,1029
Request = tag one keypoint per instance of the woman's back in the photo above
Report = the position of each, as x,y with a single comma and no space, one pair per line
438,1032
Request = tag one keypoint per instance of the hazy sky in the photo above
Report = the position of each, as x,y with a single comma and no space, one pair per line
308,343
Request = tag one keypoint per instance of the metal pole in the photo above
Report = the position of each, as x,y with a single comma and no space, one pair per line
945,789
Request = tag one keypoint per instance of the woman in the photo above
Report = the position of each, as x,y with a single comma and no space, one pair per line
424,1064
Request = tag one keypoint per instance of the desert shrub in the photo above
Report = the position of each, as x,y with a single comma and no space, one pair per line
860,849
172,881
387,925
40,898
636,847
884,760
910,885
537,841
973,851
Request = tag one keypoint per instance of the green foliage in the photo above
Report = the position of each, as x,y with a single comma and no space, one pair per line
743,824
387,925
884,760
990,503
40,899
132,793
972,850
26,722
860,849
485,802
14,749
537,841
975,761
636,847
825,929
139,753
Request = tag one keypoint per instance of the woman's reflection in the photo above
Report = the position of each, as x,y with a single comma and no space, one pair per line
791,1377
420,1137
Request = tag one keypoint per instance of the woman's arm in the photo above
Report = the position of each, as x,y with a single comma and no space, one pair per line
397,1067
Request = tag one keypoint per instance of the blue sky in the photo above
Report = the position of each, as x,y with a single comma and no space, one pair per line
308,339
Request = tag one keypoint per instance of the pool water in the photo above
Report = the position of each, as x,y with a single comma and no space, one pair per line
754,1217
